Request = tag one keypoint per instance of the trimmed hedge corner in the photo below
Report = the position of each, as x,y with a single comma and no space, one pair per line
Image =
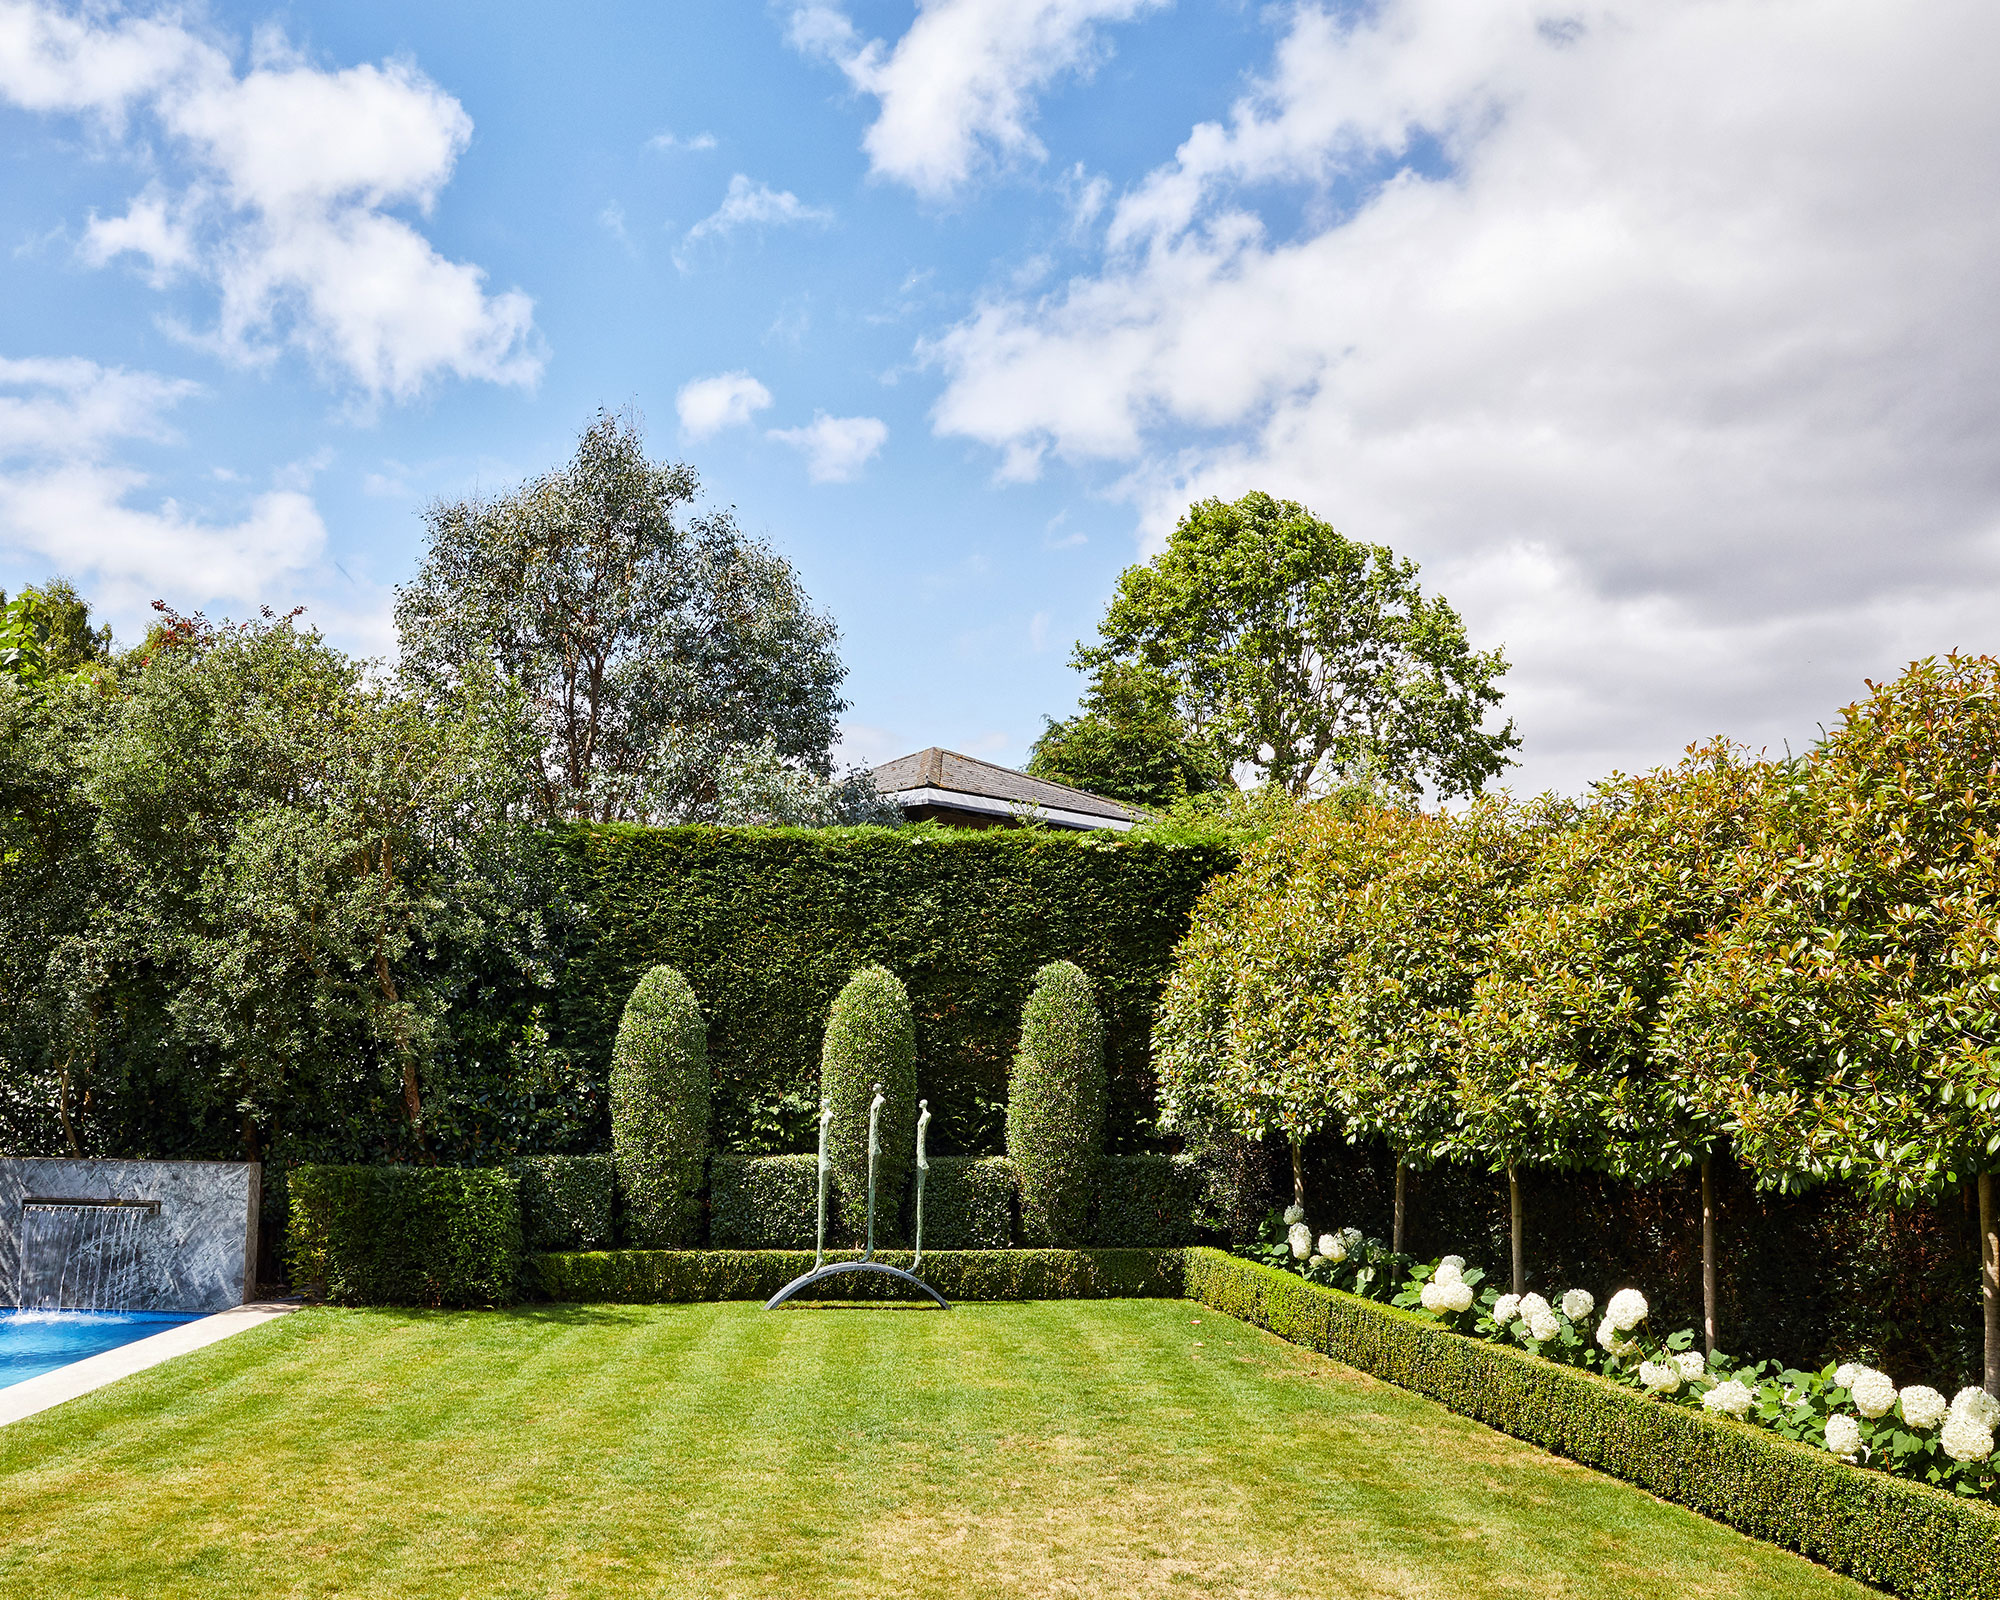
565,1201
1905,1537
763,1202
662,1277
1144,1202
422,1236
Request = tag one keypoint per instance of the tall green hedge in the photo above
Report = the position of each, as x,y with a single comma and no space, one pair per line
1055,1105
768,924
870,1039
419,1236
659,1110
1905,1537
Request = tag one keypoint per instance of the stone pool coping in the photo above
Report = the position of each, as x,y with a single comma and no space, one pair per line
33,1395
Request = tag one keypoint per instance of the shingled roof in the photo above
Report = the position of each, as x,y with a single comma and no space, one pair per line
940,782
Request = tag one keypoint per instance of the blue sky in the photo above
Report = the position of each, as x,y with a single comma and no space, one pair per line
1660,336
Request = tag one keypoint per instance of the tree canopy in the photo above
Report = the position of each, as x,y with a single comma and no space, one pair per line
1128,743
653,643
1288,649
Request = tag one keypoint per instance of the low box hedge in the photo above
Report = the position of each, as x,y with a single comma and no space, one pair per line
421,1236
566,1201
1905,1537
657,1277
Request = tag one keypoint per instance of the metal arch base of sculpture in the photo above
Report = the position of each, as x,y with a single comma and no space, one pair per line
822,1269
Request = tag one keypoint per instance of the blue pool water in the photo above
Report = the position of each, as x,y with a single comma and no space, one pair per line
34,1342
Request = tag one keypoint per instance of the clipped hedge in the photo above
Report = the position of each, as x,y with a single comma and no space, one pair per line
763,1202
659,1109
661,1277
1905,1537
968,1204
1144,1202
566,1201
870,1039
767,924
422,1236
1055,1105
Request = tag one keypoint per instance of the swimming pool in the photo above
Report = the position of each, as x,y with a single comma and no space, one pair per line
34,1342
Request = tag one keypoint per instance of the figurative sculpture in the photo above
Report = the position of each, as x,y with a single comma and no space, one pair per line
821,1267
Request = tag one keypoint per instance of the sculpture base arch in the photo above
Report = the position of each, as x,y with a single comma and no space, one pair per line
834,1269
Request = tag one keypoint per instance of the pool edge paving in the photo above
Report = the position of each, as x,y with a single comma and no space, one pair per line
34,1395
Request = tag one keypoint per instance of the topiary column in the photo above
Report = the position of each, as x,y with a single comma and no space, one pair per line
871,1038
659,1111
1055,1105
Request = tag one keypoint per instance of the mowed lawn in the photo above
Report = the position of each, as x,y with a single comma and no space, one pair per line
1061,1448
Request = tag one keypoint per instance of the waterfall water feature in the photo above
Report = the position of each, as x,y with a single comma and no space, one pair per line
86,1255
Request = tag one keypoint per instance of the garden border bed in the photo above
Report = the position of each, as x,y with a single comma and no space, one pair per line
1908,1538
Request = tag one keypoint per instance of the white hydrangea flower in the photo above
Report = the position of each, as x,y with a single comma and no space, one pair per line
1662,1377
1294,1214
1456,1296
1533,1305
1301,1239
1977,1404
1627,1310
1843,1435
1456,1263
1732,1399
1846,1372
1350,1237
1965,1437
1449,1270
1692,1364
1607,1336
1923,1408
1331,1248
1577,1304
1542,1327
1506,1308
1874,1392
1429,1293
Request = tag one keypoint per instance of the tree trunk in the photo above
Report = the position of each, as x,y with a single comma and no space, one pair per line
1514,1199
1396,1236
1707,1258
1989,1280
62,1108
1298,1176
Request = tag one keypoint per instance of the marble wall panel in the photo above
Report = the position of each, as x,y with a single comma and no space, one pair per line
198,1253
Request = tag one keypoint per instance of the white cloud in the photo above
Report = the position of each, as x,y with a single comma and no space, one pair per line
284,209
727,400
1680,377
750,205
67,500
835,448
959,87
1038,632
665,142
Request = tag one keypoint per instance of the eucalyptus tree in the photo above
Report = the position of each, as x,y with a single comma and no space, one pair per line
1561,1064
651,641
1849,1015
1307,657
